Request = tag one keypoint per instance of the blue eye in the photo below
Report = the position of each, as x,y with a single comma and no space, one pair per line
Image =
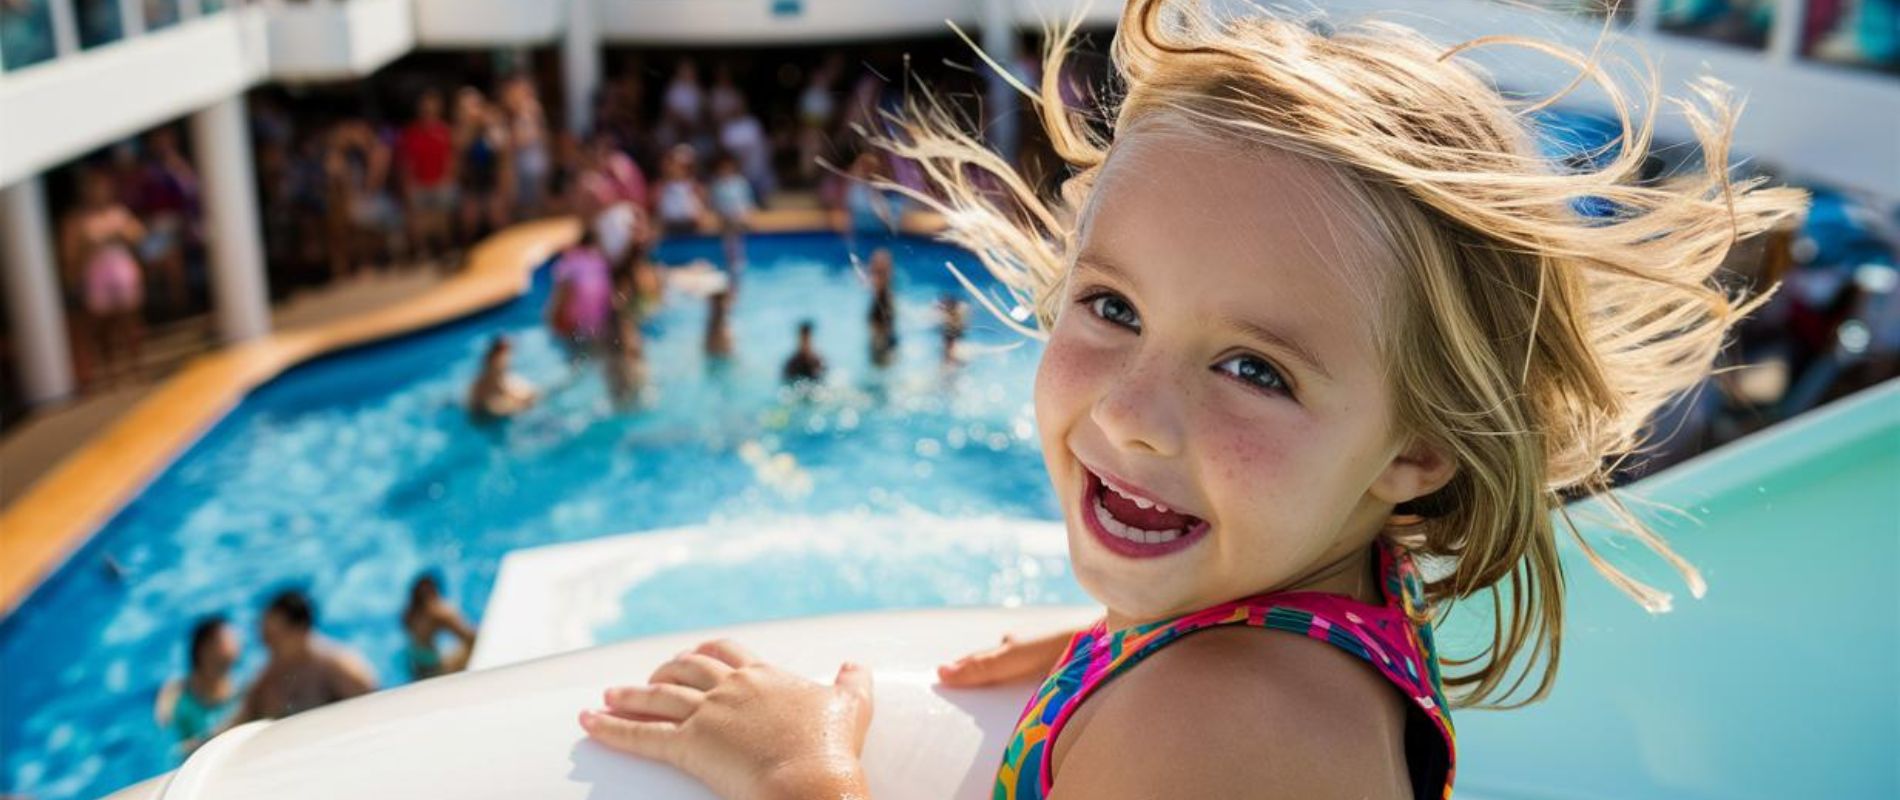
1254,371
1117,311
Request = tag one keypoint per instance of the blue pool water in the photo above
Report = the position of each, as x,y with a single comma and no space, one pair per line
351,474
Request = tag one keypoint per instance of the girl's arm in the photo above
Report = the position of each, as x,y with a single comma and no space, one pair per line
746,729
448,617
167,702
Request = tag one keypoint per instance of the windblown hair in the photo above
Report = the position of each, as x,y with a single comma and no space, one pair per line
1525,340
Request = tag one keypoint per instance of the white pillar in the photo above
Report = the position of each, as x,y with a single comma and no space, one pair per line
65,27
221,138
33,302
1784,32
131,18
1001,101
580,65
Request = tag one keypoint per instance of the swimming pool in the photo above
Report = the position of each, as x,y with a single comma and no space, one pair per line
350,474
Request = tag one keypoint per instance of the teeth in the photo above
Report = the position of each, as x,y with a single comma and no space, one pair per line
1140,502
1131,533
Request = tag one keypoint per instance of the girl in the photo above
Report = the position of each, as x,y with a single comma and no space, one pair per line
194,707
424,620
1314,312
582,305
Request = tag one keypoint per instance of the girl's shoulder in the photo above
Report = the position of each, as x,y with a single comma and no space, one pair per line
1233,711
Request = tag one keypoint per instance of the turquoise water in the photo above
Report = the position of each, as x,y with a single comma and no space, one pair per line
1782,682
349,475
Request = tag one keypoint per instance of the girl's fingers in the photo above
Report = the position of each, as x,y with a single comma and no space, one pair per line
854,678
995,665
665,701
646,739
695,670
725,650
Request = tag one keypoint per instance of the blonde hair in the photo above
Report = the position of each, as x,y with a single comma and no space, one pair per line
1530,343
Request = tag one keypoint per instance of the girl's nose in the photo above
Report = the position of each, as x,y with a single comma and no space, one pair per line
1140,410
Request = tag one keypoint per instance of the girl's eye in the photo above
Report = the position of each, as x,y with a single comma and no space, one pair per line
1254,371
1113,308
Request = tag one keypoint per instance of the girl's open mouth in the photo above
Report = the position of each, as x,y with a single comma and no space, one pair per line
1135,526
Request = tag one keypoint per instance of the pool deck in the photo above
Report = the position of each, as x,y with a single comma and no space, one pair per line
54,518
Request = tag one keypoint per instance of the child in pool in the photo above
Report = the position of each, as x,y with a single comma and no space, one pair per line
497,393
1314,310
194,707
427,616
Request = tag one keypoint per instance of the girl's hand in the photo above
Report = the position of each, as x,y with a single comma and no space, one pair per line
744,728
1016,659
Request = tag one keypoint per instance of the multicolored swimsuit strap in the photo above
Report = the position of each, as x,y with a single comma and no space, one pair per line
1383,636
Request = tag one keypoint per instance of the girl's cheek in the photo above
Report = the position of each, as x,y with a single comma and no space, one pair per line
1064,381
1249,458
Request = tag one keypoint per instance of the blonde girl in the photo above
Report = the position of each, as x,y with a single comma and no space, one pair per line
1316,312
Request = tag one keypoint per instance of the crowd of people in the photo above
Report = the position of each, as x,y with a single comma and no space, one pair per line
359,191
303,669
409,169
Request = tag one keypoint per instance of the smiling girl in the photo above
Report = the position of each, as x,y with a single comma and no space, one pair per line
1315,311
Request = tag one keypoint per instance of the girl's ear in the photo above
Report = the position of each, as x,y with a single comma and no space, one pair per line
1418,470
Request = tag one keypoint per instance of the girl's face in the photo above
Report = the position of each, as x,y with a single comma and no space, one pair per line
220,652
1214,356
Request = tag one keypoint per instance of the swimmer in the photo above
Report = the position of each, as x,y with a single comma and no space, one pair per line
305,670
194,707
719,326
805,365
625,369
497,393
424,620
883,316
953,312
581,307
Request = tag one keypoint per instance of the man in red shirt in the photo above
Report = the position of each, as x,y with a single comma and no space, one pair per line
425,161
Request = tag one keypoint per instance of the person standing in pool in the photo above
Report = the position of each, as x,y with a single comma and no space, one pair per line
195,707
883,316
424,620
954,312
305,670
625,366
1328,351
719,326
805,365
581,310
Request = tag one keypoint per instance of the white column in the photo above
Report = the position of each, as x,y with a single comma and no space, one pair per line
131,18
1645,15
221,138
33,303
1784,33
1001,102
65,27
580,65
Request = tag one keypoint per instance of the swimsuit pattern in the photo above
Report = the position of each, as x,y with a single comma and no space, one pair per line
1387,637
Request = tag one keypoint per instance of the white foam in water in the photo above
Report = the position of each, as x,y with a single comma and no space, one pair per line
560,598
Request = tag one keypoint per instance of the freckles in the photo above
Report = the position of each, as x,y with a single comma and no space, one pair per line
1248,459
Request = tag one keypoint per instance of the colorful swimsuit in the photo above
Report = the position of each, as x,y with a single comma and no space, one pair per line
1384,636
